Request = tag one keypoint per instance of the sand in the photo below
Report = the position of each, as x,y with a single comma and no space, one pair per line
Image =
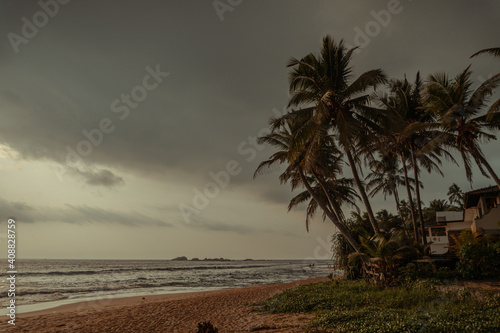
230,310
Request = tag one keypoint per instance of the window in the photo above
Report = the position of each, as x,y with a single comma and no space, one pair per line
438,231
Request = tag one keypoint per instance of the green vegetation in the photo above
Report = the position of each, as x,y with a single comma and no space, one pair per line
478,254
337,120
356,306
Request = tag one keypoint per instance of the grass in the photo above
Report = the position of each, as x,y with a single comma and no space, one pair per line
355,306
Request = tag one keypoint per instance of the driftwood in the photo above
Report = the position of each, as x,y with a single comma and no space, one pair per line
207,327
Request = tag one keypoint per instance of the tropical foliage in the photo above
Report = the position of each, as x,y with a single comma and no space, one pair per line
397,129
456,195
383,255
479,255
462,116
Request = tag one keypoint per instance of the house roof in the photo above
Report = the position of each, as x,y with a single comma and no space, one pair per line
472,197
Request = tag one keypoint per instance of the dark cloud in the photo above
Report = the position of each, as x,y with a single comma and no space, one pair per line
76,214
225,77
99,177
17,210
83,213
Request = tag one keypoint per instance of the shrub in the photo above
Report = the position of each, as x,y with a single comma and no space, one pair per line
479,260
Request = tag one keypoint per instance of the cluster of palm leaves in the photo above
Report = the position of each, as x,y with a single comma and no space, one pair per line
337,120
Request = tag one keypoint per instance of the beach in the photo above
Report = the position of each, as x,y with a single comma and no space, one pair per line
230,310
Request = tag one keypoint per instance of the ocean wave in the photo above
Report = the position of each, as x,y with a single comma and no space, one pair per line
126,270
65,292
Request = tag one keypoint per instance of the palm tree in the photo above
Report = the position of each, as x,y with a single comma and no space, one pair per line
403,134
382,255
340,189
456,195
390,223
321,86
462,116
304,158
438,205
496,105
495,51
405,209
386,177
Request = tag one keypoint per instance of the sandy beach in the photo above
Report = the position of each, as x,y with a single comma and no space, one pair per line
230,310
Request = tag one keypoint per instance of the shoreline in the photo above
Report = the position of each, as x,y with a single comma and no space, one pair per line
46,306
103,302
229,309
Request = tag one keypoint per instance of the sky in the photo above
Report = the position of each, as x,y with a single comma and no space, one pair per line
128,129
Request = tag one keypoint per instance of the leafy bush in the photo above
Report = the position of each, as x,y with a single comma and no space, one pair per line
358,225
471,255
479,260
356,306
412,272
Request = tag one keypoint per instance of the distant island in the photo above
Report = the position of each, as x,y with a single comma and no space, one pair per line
183,258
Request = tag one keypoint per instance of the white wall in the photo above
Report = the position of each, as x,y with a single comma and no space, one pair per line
450,216
488,221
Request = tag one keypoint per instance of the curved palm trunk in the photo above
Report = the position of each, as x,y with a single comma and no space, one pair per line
417,192
490,170
410,199
362,192
331,216
398,204
330,203
332,208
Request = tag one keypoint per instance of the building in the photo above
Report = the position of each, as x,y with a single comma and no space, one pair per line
446,224
482,210
481,214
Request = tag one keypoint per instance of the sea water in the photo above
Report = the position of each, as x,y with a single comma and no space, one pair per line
64,281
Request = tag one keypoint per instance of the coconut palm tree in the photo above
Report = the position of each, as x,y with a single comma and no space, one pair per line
304,168
438,205
390,223
322,86
340,189
403,134
455,195
495,107
382,255
386,177
494,51
462,114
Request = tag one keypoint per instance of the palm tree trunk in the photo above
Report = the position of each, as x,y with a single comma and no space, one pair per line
490,170
410,199
330,203
331,216
362,192
398,205
417,192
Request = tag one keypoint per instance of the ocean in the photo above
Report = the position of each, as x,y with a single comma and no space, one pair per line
43,284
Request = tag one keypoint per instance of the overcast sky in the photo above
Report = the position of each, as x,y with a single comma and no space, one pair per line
116,115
